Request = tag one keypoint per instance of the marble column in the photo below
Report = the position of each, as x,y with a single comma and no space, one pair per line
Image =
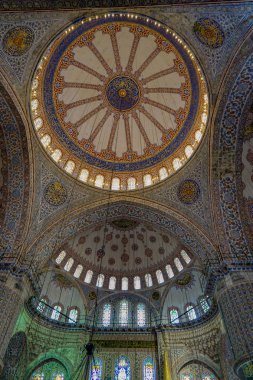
234,294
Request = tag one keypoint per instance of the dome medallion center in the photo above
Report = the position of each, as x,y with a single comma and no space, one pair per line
122,93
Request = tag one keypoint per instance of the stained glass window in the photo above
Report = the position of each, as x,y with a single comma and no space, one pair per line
191,312
88,276
60,257
56,312
46,140
69,264
122,369
187,376
178,264
148,369
141,315
58,376
96,369
207,375
123,313
41,306
176,163
174,316
107,311
204,304
38,375
188,151
73,314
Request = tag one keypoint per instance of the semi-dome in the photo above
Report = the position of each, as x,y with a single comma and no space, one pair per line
119,101
125,254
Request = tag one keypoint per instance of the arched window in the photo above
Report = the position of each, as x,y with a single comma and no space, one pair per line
124,283
38,375
115,184
73,315
185,256
58,376
176,163
96,369
131,183
56,155
137,283
99,181
147,179
112,283
148,280
45,140
187,376
204,304
100,280
123,313
198,135
188,151
191,312
163,173
78,271
174,316
60,257
159,276
148,369
169,271
88,276
122,369
38,123
84,175
141,315
178,264
69,264
207,375
56,312
69,167
34,104
107,311
41,306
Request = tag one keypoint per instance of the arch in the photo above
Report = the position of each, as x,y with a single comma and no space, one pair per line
202,359
122,368
16,151
161,217
230,116
50,356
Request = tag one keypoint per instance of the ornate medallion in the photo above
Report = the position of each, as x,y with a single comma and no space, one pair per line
188,191
17,41
209,32
55,193
122,93
114,94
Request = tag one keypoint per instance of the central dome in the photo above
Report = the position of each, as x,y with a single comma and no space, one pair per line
119,94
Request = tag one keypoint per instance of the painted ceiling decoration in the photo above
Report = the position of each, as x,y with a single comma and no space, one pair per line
119,101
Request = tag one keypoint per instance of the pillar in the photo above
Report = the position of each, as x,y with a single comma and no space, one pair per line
234,294
11,301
